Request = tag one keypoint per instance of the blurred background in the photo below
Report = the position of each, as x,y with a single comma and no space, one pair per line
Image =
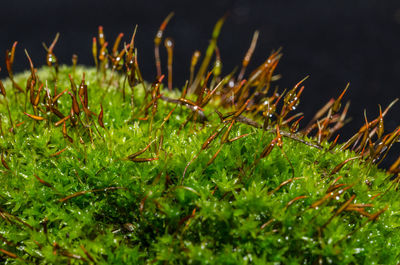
334,42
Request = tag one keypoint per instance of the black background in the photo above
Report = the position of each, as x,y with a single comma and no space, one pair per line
334,42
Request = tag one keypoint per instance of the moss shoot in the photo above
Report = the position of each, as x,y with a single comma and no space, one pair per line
101,167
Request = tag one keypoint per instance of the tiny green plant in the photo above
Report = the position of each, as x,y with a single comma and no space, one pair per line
101,167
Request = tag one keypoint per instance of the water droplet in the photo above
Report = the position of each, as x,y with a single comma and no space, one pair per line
358,250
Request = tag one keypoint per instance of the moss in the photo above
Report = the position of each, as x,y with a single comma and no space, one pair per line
82,196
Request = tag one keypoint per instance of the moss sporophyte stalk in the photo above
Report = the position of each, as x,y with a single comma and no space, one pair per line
101,167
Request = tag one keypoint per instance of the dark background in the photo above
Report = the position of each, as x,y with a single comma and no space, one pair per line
334,42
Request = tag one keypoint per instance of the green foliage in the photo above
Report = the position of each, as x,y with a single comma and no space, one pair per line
233,211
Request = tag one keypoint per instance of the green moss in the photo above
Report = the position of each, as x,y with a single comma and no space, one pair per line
233,211
137,174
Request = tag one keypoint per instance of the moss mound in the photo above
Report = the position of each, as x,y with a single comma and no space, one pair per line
146,175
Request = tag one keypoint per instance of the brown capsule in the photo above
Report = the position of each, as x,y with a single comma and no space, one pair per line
283,184
101,36
214,156
142,160
13,51
336,180
339,167
79,193
43,182
33,75
56,97
238,137
129,53
341,209
157,41
57,112
266,122
352,140
380,124
327,197
94,51
83,91
208,55
395,167
58,152
296,100
337,104
37,118
143,201
373,197
64,129
381,147
167,117
345,205
48,96
87,254
50,57
19,124
117,63
100,117
73,86
334,187
74,120
225,136
267,150
375,216
189,102
318,115
333,144
169,45
2,89
371,148
37,98
248,55
278,137
132,156
75,105
4,162
295,126
63,120
32,93
210,139
116,44
393,136
296,199
193,63
103,52
291,95
242,109
86,110
210,93
366,134
74,60
8,253
200,94
218,63
10,59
